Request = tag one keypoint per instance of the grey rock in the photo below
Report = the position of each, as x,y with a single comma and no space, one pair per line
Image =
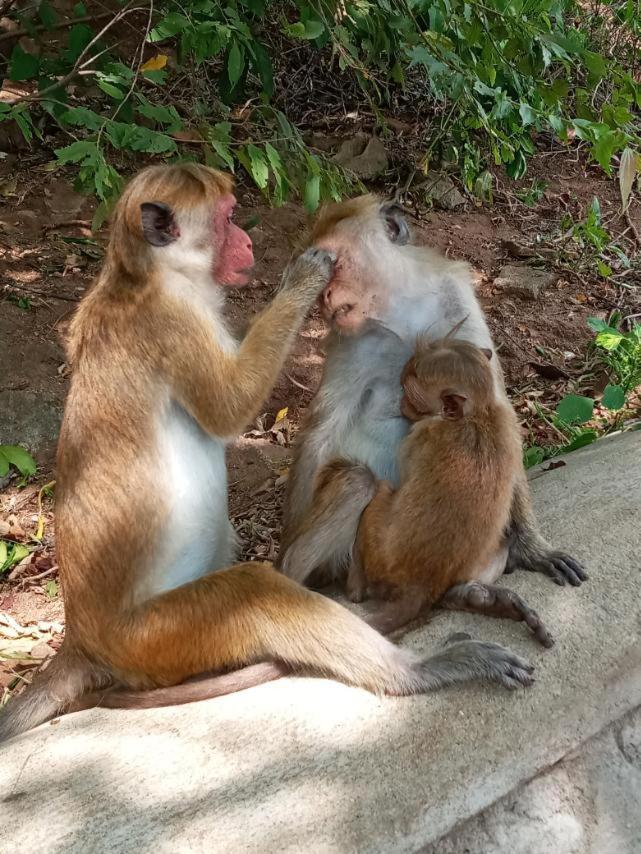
363,155
306,764
525,282
588,804
441,190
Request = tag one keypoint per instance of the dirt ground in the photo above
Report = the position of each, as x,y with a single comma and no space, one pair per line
48,257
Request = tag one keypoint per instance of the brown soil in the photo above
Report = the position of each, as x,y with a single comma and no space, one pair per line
41,217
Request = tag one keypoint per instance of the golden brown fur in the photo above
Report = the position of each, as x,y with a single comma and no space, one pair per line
447,519
158,386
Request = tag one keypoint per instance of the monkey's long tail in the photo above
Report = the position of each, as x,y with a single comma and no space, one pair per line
189,691
51,693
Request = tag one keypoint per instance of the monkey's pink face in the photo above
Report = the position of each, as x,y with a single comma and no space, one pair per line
351,298
234,253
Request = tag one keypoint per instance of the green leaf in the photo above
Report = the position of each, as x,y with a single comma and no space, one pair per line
528,116
76,152
79,38
170,26
533,456
609,339
311,195
47,15
4,464
3,555
604,269
51,589
235,64
613,397
595,64
258,166
296,31
166,116
604,147
575,409
23,66
585,437
314,29
110,89
598,325
263,65
19,458
82,117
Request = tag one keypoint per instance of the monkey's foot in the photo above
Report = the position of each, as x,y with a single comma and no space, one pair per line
558,566
492,601
465,659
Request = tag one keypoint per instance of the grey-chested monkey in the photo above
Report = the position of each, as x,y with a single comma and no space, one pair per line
384,293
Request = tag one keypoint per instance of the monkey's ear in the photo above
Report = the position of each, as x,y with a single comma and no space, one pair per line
452,406
487,352
158,224
395,223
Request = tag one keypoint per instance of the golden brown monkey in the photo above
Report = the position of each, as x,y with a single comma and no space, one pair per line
144,541
439,537
384,293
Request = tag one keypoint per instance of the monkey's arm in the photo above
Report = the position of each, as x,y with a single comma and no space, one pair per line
223,391
527,548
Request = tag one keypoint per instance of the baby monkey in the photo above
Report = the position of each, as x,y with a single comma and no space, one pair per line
440,537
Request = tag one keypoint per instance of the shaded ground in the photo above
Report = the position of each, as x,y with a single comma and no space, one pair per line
48,258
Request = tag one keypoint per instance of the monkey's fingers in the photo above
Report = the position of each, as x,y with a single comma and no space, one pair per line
560,568
494,662
517,609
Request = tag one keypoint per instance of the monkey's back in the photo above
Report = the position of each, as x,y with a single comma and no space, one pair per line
453,505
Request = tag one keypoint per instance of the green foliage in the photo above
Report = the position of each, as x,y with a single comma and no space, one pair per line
11,554
533,194
595,242
52,589
496,72
620,353
575,409
14,455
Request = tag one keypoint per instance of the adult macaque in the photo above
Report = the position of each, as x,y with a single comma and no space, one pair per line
383,294
159,385
439,538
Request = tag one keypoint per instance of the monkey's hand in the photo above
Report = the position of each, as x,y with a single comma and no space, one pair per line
309,274
538,556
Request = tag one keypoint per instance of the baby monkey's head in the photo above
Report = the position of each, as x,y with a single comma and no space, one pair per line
446,379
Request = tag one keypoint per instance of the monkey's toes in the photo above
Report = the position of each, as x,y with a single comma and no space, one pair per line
508,668
543,636
561,568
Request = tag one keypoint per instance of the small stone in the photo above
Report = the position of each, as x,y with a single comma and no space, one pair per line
525,282
363,155
441,190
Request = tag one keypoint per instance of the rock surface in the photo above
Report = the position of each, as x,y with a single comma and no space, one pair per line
363,155
443,192
312,765
525,282
588,804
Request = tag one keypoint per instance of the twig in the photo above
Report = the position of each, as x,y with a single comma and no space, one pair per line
67,223
296,383
632,227
79,68
40,575
31,291
23,31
